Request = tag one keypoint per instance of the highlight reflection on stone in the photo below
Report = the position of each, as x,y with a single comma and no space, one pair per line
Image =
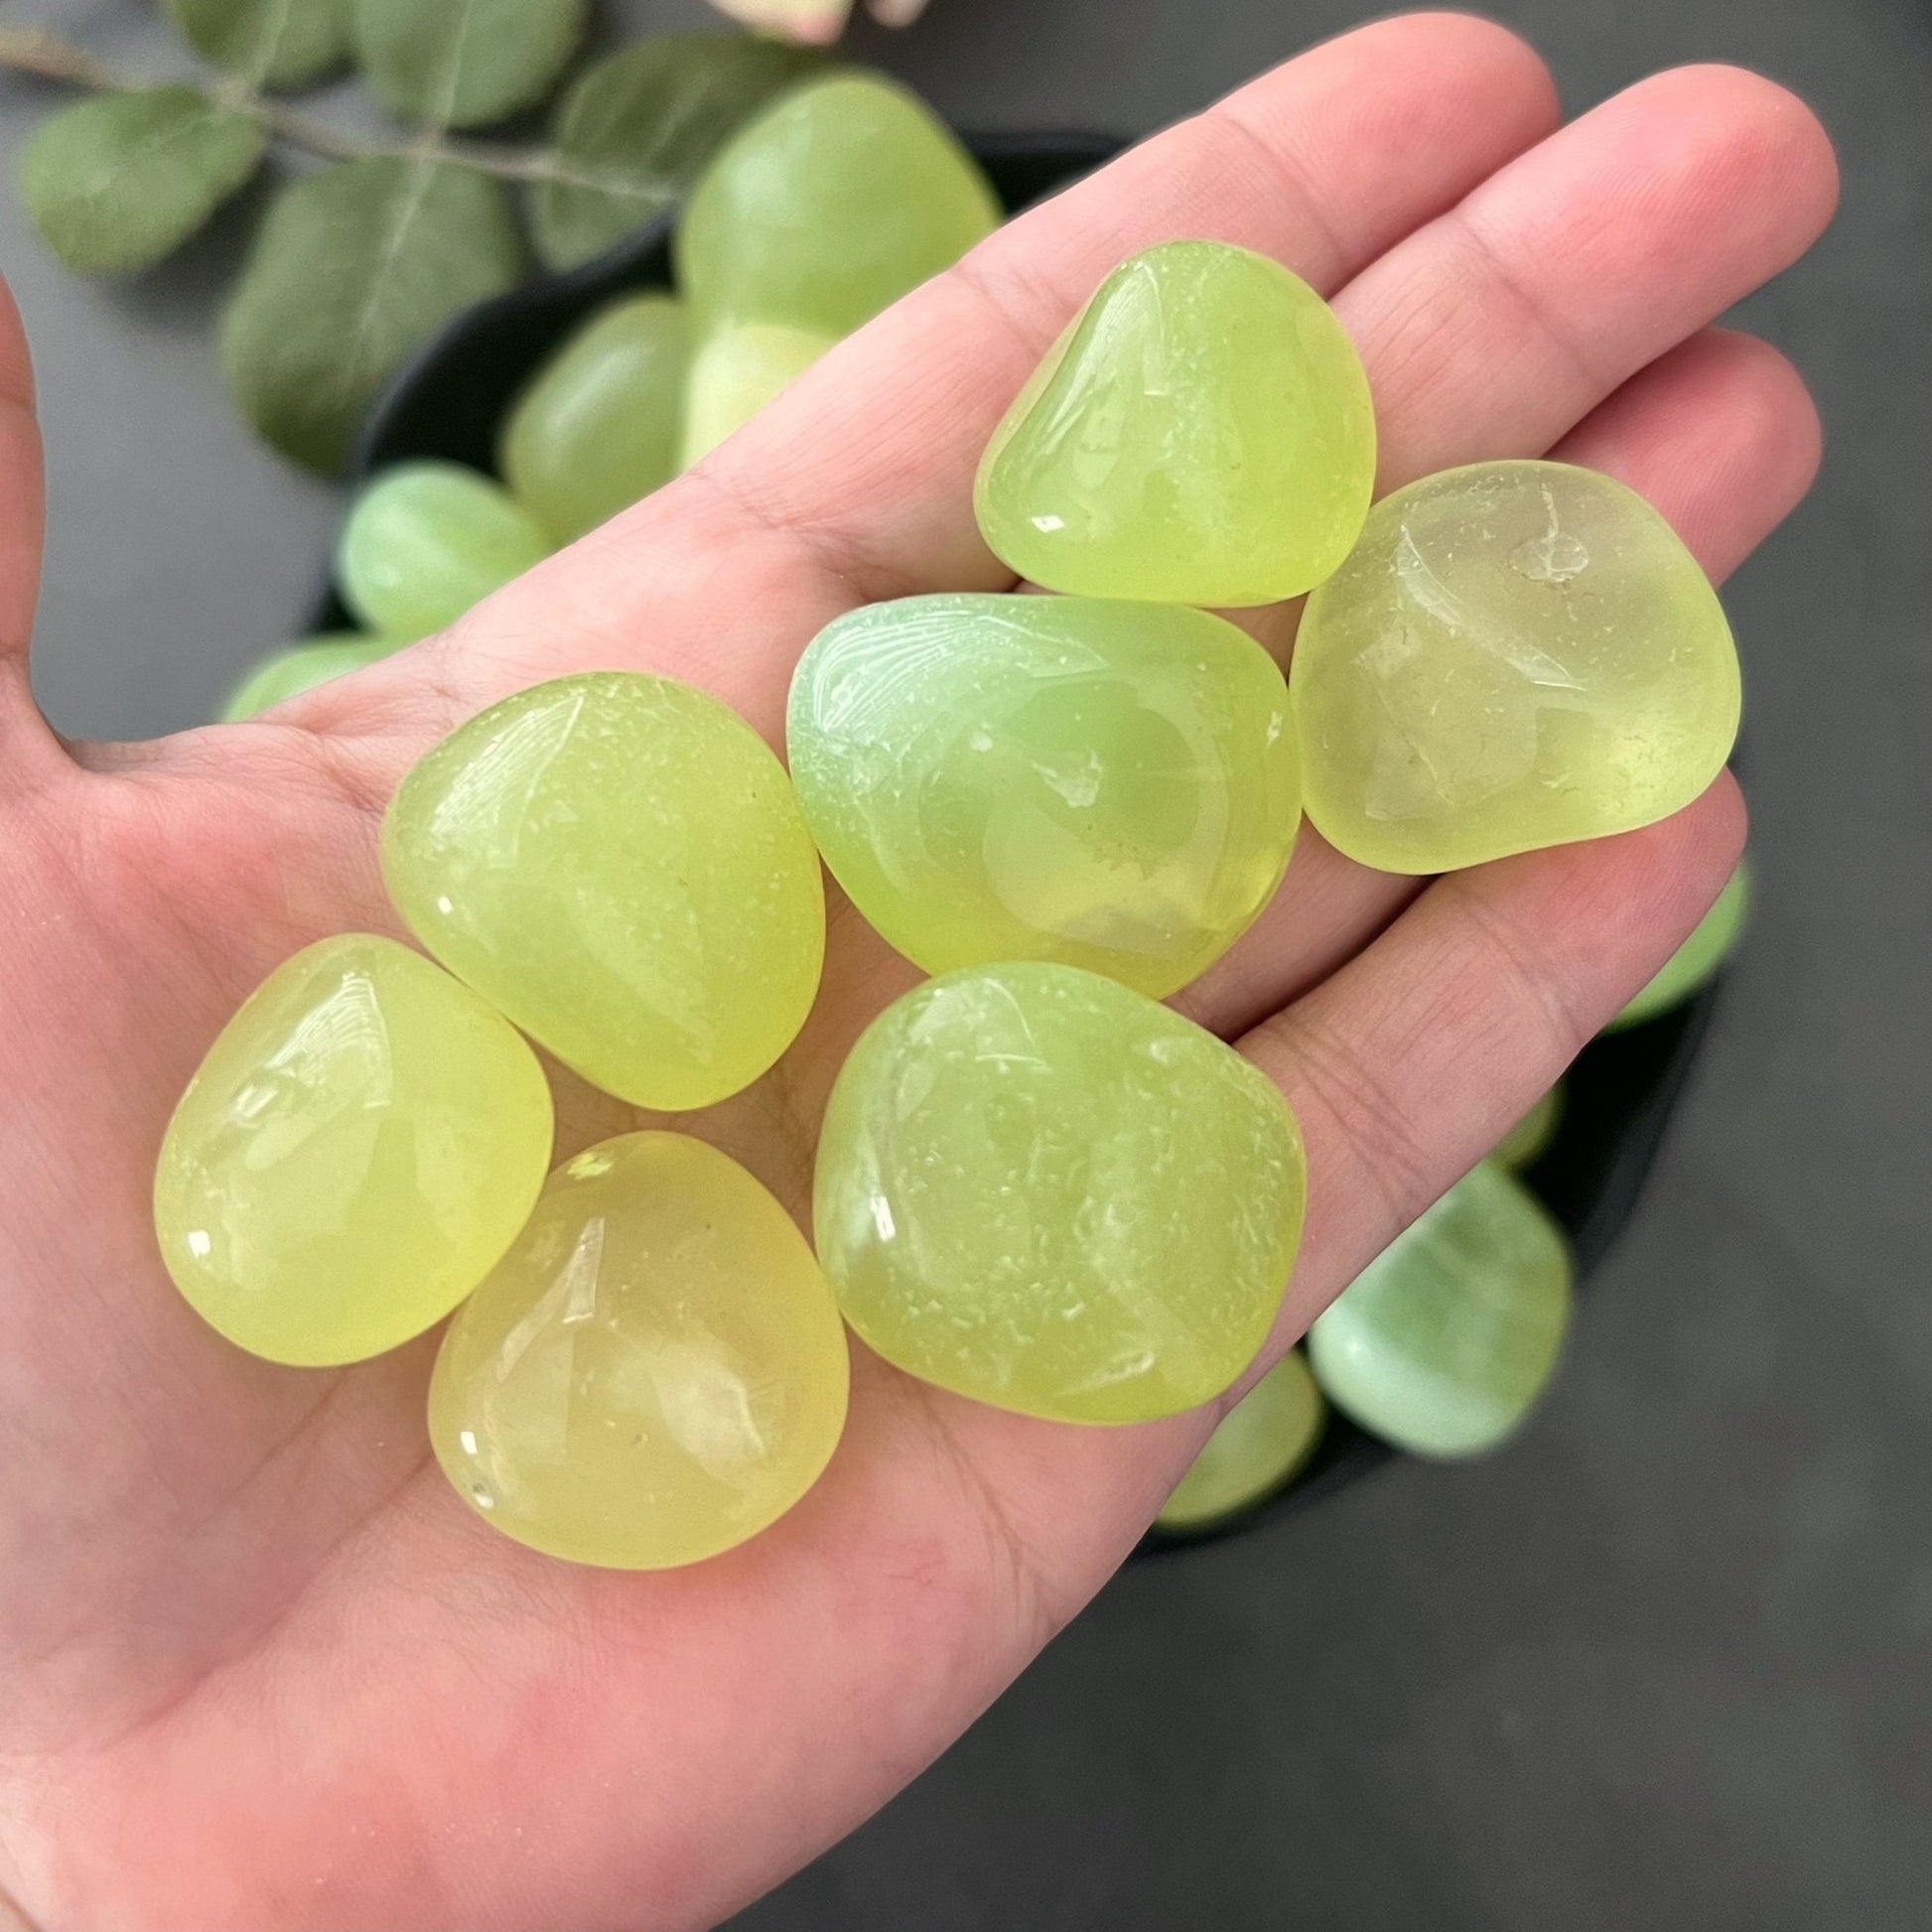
655,1372
1515,656
1110,785
1202,433
359,1144
1044,1190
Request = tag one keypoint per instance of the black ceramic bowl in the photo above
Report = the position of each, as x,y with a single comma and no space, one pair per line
448,401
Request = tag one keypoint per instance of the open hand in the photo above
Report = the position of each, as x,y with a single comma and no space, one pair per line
259,1670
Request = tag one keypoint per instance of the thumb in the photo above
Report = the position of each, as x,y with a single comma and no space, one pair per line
25,740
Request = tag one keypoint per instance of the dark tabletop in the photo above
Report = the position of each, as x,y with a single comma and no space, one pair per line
1661,1665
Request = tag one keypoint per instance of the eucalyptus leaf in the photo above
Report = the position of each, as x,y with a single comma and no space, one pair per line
650,116
353,268
274,42
462,62
116,182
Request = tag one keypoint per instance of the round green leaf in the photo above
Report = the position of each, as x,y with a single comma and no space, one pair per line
275,42
636,127
116,182
353,269
462,62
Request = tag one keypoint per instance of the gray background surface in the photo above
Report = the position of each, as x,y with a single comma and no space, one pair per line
1664,1662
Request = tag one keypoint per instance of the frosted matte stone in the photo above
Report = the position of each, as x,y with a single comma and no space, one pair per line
1515,656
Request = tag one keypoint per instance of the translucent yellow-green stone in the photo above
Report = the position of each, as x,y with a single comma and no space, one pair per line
1201,434
301,667
1443,1344
598,427
1112,785
1257,1448
655,1372
359,1146
1698,958
618,862
1041,1190
1517,654
828,206
424,541
742,366
1527,1141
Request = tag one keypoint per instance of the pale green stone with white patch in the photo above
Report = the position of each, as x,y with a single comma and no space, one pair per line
1443,1344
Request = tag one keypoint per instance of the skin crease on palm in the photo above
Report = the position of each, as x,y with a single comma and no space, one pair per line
261,1669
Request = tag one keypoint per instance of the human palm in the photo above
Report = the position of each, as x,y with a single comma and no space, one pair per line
259,1667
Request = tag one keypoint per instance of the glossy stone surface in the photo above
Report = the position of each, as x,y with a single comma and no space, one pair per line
1527,1141
424,541
1698,958
1258,1446
617,862
1044,1190
1516,655
1443,1344
358,1147
1201,434
828,206
655,1372
598,427
1111,786
301,667
741,367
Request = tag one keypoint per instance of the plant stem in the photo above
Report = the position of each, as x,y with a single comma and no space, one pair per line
35,51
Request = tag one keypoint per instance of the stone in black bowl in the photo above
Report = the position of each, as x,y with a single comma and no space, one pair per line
447,403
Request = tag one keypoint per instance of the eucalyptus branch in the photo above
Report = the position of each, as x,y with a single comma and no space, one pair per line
37,52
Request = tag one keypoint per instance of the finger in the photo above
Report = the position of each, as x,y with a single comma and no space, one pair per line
1723,438
24,737
856,483
1323,163
1410,1062
1577,265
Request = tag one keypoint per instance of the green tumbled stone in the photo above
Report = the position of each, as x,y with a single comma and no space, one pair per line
1516,655
1442,1344
424,541
1041,1189
1259,1446
617,862
1698,958
301,667
1201,434
1111,786
741,367
598,427
828,206
1527,1141
357,1150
